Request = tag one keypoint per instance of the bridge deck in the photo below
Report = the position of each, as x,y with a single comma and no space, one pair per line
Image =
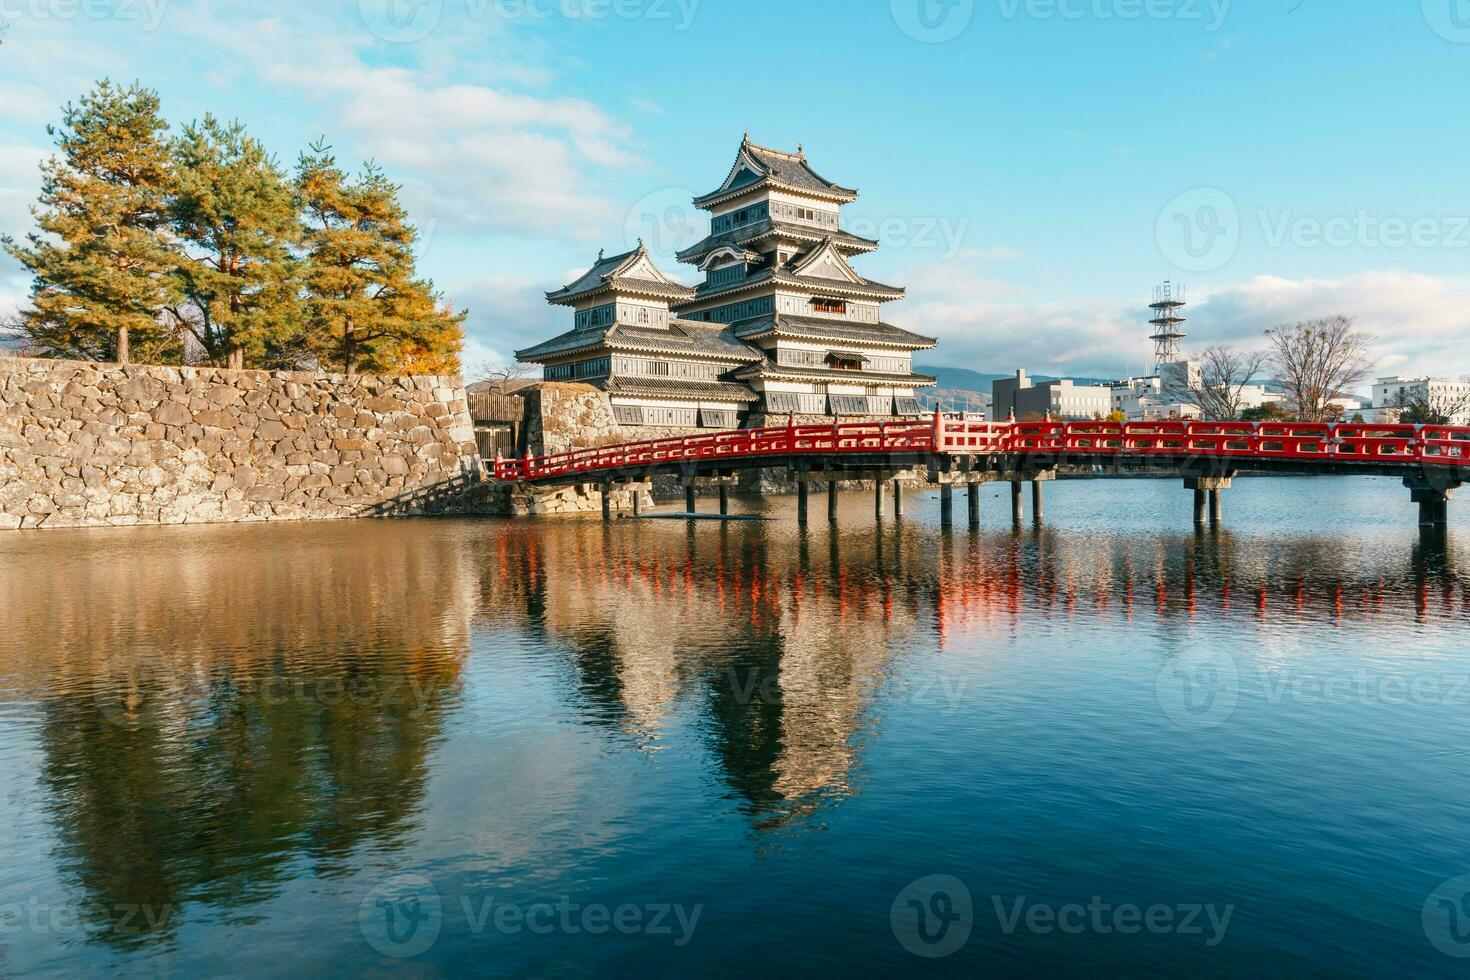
979,450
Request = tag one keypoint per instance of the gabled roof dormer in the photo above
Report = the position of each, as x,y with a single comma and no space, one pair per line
826,262
631,273
756,166
728,253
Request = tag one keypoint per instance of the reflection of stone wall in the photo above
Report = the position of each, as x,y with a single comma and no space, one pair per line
85,444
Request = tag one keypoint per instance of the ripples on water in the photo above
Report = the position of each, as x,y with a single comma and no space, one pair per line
220,747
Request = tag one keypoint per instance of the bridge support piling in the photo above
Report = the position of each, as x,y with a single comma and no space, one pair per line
897,499
607,501
802,488
1018,507
973,501
832,500
637,499
1037,510
878,486
724,498
1433,501
689,502
946,505
1208,490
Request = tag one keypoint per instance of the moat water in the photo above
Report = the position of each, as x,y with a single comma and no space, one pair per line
559,748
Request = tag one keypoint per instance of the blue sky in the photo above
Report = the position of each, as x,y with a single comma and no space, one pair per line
1033,167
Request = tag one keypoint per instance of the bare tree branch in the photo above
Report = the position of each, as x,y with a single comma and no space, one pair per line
1219,389
1318,361
503,378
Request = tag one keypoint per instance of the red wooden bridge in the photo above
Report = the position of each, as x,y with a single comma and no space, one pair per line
1433,460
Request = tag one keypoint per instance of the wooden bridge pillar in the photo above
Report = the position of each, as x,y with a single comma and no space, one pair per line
897,499
832,500
637,499
1217,507
689,502
946,505
802,488
1199,508
1037,510
974,505
1018,508
724,497
878,486
607,492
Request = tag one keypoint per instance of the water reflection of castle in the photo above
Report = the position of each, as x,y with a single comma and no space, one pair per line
173,766
780,649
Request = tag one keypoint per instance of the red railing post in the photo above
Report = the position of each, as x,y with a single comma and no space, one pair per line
938,430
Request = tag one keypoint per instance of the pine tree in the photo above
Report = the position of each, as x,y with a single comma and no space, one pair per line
234,215
367,308
435,347
100,262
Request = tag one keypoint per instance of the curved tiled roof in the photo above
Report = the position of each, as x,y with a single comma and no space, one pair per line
784,276
725,391
767,228
777,167
687,337
823,329
769,370
607,274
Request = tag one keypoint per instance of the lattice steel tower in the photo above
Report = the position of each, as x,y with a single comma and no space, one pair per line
1168,324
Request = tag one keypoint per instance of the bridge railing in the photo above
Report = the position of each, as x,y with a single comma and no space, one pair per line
1445,445
1351,442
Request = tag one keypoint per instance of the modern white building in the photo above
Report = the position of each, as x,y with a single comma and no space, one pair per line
1440,394
1061,400
1166,395
1143,400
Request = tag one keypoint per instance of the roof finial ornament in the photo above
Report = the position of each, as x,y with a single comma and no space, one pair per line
800,150
640,241
601,252
747,136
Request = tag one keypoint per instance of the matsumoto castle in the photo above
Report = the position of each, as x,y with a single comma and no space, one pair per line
780,327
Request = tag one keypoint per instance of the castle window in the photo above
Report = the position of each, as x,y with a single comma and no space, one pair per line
824,305
660,369
843,360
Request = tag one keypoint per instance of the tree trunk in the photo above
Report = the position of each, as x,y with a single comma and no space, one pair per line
348,353
235,360
122,345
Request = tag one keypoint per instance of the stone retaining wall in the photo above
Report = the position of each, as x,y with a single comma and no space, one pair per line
84,444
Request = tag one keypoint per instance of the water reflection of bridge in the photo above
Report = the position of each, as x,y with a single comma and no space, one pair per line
781,649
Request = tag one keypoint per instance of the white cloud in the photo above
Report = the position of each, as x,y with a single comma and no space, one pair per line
507,313
473,156
1419,322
